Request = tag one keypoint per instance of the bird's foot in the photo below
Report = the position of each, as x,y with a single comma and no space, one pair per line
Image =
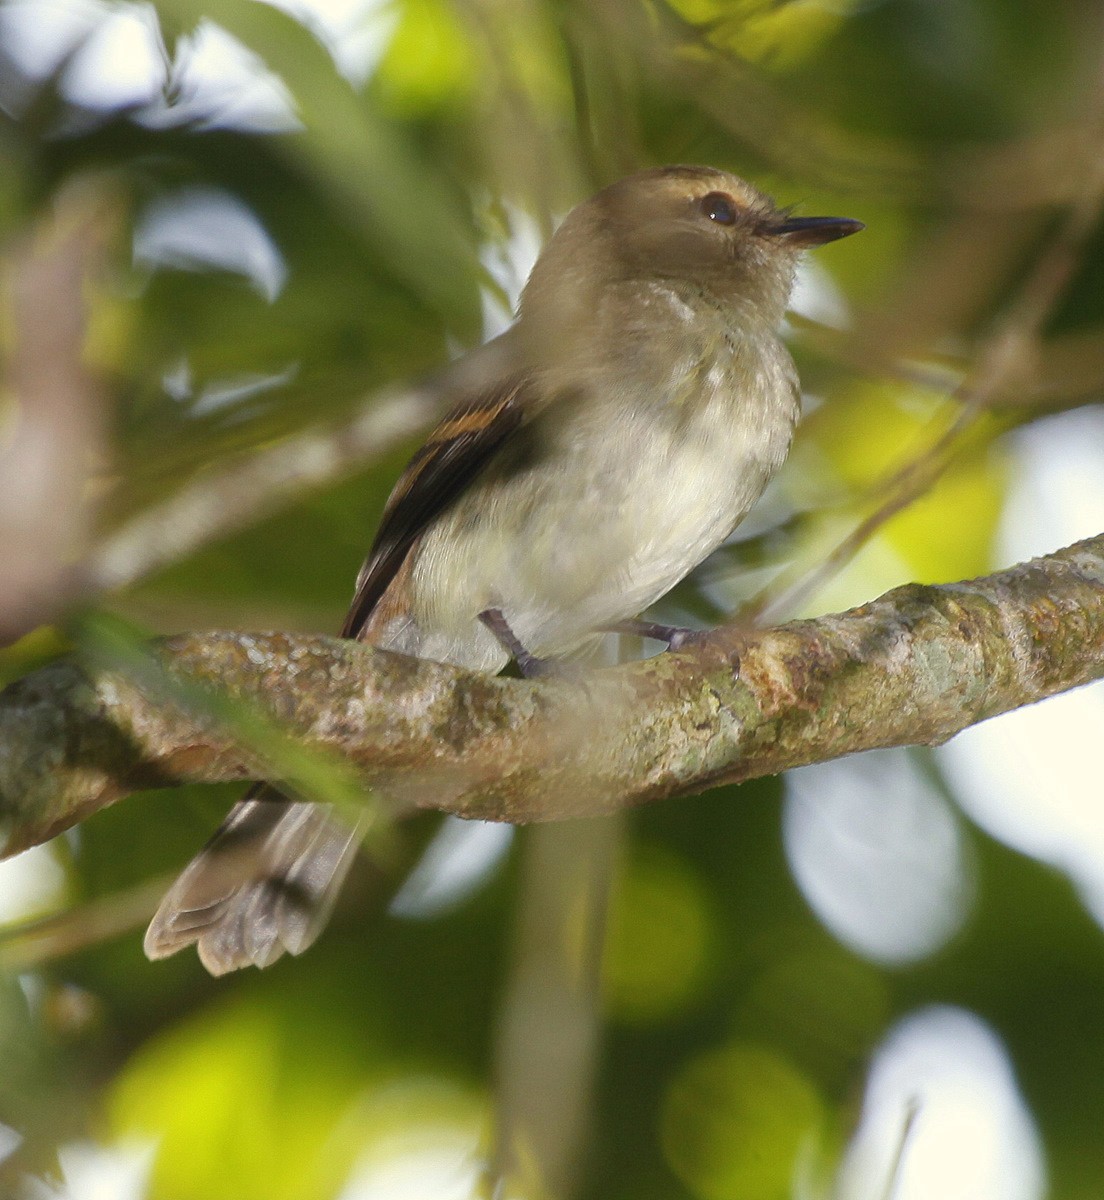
676,636
530,666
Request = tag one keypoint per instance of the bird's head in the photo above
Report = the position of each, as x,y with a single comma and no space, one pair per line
694,228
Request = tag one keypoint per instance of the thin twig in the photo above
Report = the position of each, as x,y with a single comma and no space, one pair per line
897,1166
1002,359
32,944
223,502
907,484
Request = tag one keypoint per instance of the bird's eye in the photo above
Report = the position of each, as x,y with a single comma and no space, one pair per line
719,207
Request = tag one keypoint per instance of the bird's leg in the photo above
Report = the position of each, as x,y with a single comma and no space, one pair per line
528,664
674,635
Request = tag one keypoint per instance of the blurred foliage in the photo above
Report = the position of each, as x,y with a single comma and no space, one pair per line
420,140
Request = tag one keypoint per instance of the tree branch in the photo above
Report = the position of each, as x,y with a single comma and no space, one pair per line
54,413
914,667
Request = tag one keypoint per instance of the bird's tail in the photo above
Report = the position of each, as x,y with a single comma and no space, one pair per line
264,884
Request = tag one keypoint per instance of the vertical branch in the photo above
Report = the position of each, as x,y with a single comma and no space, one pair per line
549,1029
53,419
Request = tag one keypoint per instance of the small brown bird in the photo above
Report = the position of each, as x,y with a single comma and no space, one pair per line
593,455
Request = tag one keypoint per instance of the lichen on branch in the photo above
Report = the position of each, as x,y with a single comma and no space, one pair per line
916,666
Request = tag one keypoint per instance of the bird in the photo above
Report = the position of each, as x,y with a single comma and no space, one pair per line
589,458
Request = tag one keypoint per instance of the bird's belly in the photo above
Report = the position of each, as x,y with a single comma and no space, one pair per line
584,540
612,554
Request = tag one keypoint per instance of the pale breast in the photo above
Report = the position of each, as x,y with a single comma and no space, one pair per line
614,500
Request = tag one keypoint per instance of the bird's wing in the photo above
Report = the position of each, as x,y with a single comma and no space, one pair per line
455,451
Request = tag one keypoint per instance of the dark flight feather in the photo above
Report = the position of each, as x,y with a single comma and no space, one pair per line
444,467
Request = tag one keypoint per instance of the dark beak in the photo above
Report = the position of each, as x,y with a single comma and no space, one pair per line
815,231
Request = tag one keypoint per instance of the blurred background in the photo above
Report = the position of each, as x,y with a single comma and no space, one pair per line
231,234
